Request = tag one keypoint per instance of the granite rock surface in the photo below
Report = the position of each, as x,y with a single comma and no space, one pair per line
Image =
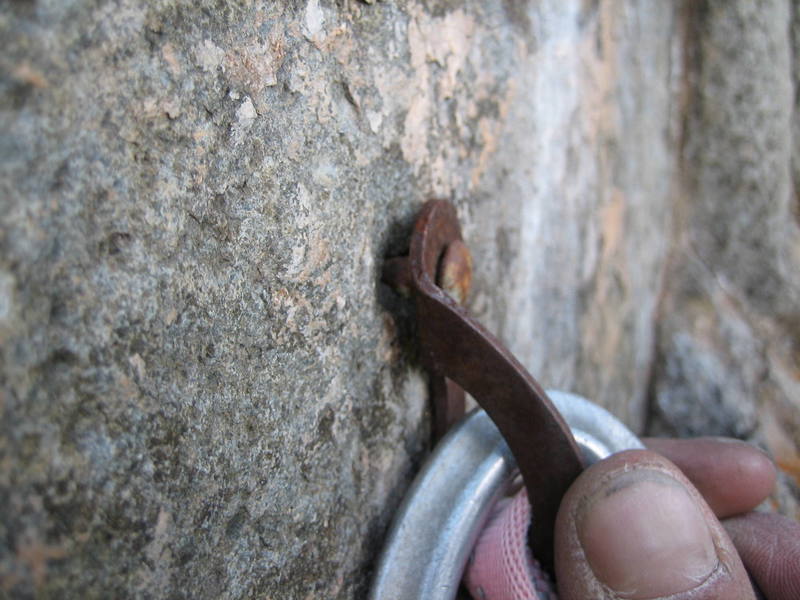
728,360
205,391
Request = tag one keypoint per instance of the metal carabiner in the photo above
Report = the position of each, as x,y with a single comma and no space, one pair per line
439,521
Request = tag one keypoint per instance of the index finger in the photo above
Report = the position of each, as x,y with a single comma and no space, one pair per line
733,476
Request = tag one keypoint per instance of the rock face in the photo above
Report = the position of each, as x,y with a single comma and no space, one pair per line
205,390
728,358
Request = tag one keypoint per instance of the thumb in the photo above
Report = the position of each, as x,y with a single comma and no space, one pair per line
633,527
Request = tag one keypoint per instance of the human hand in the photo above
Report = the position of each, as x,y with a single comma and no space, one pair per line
638,525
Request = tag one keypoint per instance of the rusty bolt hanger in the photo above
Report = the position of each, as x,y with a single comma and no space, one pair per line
454,276
460,353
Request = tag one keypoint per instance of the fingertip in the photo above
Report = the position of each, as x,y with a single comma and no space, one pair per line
757,472
633,527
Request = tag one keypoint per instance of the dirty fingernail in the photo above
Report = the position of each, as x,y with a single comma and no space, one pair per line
644,536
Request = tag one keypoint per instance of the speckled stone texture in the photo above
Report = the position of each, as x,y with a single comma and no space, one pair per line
205,392
728,358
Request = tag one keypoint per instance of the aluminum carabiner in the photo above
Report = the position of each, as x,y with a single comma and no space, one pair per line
439,521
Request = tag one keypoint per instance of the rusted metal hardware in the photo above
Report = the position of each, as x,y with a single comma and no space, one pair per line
454,276
461,355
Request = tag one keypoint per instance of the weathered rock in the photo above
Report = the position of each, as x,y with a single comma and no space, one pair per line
206,392
729,336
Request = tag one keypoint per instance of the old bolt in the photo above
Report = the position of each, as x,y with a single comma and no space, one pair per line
454,275
397,274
